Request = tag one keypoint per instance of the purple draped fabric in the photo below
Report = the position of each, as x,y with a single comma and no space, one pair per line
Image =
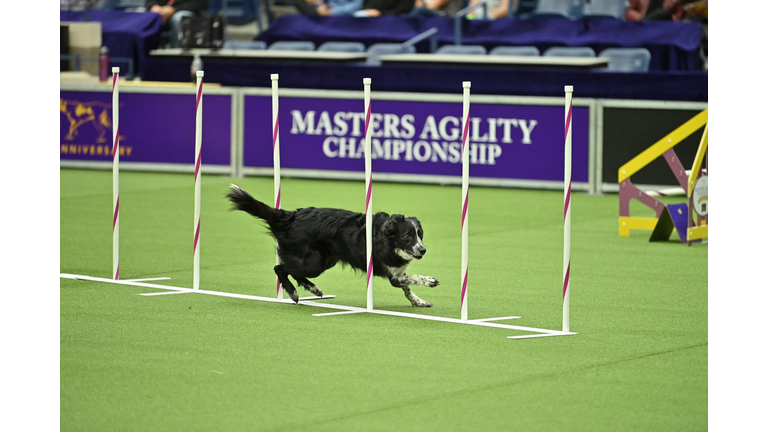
677,86
674,45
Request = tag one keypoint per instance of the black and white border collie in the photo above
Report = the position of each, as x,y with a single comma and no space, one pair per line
312,240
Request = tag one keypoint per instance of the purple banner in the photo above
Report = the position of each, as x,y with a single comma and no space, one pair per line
520,142
154,127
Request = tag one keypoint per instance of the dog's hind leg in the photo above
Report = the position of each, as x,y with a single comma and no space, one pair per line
282,276
307,263
309,286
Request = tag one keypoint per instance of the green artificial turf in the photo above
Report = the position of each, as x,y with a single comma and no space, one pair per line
192,362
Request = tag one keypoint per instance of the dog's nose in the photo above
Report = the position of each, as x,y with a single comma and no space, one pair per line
422,251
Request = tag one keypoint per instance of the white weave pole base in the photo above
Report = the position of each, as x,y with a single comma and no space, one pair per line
347,309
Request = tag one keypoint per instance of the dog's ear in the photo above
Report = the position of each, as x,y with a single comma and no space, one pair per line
389,227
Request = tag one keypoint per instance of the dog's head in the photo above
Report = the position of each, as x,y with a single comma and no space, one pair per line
406,235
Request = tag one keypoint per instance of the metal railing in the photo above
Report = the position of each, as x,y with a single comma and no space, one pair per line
431,33
460,16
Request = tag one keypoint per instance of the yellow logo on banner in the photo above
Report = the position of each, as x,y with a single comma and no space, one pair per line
80,113
95,114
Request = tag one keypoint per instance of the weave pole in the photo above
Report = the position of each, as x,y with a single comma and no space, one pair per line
368,193
115,174
276,158
465,201
198,147
567,212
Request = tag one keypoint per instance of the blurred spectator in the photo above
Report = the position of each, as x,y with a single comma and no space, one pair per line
172,11
698,10
669,10
77,5
496,9
637,9
694,10
447,8
107,4
374,8
662,9
328,7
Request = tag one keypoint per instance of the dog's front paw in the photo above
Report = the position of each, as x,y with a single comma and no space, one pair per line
414,299
432,282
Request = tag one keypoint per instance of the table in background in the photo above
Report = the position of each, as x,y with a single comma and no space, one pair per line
268,56
495,61
125,34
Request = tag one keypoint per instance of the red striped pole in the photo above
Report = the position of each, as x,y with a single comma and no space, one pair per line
465,201
368,193
567,211
276,158
115,174
198,163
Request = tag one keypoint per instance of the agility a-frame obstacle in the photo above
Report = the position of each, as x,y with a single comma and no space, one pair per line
342,309
690,220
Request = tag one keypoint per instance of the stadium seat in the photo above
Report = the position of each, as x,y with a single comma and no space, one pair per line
515,51
342,46
462,49
627,59
570,9
242,44
570,52
612,9
384,48
292,46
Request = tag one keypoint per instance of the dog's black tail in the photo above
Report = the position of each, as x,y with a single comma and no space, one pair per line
243,201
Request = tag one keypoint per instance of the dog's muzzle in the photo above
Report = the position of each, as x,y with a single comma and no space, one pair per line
418,253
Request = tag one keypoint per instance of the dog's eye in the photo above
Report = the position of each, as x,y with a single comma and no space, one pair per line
407,236
421,234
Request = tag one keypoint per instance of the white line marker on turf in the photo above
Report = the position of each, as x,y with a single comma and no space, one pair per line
498,319
338,313
348,309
